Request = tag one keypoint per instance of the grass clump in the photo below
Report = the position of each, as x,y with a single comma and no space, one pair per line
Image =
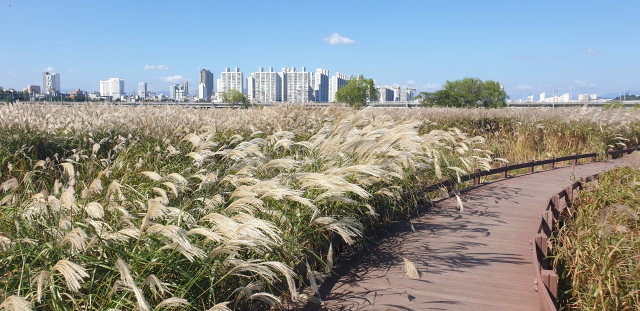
597,251
108,208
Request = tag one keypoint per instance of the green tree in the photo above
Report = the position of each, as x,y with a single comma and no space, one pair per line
357,92
466,93
234,97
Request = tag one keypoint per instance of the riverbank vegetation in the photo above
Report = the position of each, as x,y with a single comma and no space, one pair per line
112,207
597,250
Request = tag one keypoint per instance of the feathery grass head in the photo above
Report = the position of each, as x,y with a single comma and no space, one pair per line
15,303
72,273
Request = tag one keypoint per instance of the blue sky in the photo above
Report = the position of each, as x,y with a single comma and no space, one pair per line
586,46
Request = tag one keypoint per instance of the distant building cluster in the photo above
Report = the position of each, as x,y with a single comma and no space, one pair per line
395,94
263,86
564,98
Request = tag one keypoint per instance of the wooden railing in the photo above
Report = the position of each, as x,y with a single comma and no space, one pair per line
551,163
545,280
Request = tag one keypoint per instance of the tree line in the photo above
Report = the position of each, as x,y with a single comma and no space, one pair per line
465,93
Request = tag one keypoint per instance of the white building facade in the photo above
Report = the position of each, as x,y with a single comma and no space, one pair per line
298,87
50,83
203,91
321,85
113,87
265,87
335,83
206,77
142,90
231,81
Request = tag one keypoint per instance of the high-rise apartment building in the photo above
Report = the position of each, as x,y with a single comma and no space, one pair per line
203,91
299,88
321,85
142,90
250,90
231,81
385,93
113,87
185,89
50,83
206,77
267,86
34,89
172,91
410,93
179,92
337,81
397,93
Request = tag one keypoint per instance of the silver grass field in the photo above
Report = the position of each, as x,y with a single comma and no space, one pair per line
169,208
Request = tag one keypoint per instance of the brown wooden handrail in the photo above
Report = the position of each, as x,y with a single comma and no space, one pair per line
546,280
504,169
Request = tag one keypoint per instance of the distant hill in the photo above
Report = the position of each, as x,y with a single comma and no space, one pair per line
614,95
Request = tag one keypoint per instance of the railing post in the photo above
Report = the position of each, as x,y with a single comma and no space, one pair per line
556,204
569,191
550,280
609,154
593,159
574,161
530,168
548,219
476,179
552,165
504,174
626,152
541,243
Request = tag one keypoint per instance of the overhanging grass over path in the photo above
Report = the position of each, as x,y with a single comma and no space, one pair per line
479,259
598,249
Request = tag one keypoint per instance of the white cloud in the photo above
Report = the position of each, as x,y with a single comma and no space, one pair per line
48,69
525,87
172,79
159,67
338,39
410,82
70,72
584,84
432,86
592,52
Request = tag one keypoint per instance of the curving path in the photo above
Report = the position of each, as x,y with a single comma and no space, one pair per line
476,260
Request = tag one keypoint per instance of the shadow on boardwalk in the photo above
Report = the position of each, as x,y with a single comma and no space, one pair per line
475,260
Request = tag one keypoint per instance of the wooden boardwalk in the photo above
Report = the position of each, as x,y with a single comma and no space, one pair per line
476,260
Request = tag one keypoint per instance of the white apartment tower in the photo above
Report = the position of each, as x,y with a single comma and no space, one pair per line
250,89
206,77
385,94
267,86
299,88
202,91
142,90
397,93
50,83
185,89
113,87
337,82
321,85
173,90
231,81
283,84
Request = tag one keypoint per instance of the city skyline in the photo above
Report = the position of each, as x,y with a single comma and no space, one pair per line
528,48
